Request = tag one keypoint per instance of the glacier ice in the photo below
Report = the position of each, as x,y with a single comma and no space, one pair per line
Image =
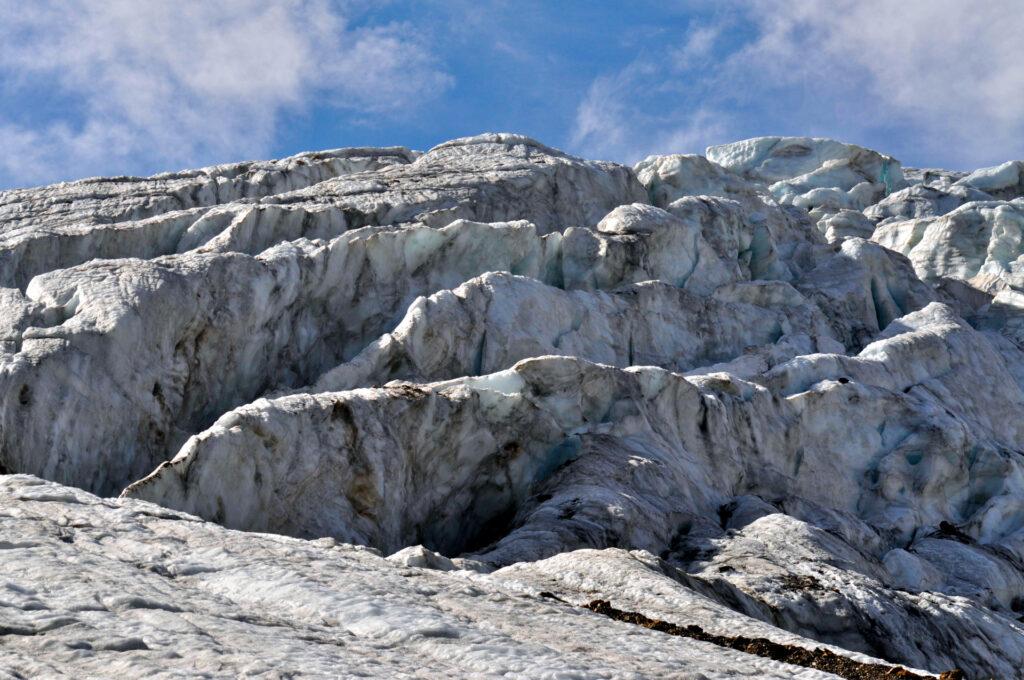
414,413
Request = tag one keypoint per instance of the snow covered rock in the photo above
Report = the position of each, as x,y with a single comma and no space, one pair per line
162,347
921,201
862,288
974,240
844,224
668,178
933,177
590,457
777,159
820,175
496,320
814,580
1005,182
572,413
108,200
488,178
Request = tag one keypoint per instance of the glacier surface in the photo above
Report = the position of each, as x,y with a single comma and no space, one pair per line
495,410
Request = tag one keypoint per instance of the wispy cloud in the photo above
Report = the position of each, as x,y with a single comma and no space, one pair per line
944,77
952,69
190,82
623,117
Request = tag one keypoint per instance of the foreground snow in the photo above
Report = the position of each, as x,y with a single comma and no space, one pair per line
106,588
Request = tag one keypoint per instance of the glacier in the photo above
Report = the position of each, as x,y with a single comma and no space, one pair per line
495,410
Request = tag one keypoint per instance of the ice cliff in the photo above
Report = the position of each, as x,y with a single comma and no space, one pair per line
494,410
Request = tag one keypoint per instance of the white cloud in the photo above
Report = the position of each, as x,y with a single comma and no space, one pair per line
954,70
191,81
619,119
941,80
699,46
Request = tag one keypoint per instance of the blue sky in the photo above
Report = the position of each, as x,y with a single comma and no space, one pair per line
142,86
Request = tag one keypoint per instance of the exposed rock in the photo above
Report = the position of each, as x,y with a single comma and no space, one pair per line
818,658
